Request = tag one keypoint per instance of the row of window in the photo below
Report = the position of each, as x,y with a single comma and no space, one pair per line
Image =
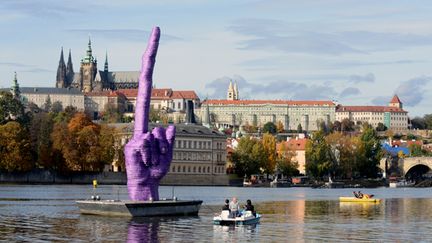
196,169
189,144
192,156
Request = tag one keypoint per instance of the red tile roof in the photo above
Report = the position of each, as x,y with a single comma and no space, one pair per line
369,109
163,94
395,99
274,102
107,93
294,144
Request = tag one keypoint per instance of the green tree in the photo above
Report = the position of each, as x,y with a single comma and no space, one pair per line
14,148
369,153
41,127
299,128
244,159
269,127
428,120
11,109
381,127
416,150
111,114
343,149
48,104
56,107
318,160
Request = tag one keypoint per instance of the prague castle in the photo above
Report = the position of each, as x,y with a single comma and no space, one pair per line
89,78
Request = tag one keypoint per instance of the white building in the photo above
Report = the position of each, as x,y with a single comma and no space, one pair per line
392,116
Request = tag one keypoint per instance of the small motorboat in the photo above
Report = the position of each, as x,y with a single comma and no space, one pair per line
355,199
401,183
246,218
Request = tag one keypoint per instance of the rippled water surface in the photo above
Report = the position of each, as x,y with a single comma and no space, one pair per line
46,213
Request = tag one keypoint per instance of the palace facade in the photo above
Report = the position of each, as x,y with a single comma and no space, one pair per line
234,112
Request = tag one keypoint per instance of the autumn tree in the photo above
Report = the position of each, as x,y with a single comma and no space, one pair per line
343,149
280,127
14,148
269,144
85,146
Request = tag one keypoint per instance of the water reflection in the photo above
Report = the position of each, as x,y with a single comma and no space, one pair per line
140,230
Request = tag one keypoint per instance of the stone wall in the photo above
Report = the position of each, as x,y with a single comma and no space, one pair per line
48,177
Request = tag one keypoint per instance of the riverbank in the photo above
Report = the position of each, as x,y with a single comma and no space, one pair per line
113,178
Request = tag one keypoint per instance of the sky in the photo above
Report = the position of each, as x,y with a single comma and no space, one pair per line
350,51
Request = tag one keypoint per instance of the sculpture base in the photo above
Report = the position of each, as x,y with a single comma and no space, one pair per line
140,208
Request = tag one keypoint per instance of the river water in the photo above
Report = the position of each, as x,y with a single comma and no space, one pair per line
47,213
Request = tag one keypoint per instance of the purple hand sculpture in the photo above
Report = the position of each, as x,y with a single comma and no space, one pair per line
148,154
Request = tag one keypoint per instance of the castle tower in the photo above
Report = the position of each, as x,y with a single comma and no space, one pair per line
61,72
88,70
69,71
106,62
395,102
230,93
15,90
236,92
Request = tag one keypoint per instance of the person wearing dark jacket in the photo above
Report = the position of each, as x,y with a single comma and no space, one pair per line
250,207
226,206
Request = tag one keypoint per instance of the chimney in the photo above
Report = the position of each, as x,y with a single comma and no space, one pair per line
190,116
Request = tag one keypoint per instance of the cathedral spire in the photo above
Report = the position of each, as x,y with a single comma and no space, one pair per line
69,71
15,90
61,72
106,62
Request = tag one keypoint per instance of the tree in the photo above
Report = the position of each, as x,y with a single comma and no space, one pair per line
318,161
11,109
111,113
381,127
47,105
428,120
14,148
269,127
347,125
418,123
85,146
250,128
246,157
56,107
280,127
269,144
343,149
336,126
40,129
299,128
416,150
368,153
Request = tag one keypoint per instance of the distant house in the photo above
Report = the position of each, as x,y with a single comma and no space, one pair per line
298,146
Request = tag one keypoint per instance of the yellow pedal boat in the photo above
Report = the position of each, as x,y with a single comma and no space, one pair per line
354,199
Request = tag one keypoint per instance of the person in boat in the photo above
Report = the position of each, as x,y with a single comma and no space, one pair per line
356,194
234,208
226,206
250,207
364,195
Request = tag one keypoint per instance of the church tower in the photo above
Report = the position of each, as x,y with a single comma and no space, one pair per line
88,70
236,92
61,80
69,71
15,90
230,93
396,102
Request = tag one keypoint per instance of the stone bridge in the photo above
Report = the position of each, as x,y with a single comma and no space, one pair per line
409,163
